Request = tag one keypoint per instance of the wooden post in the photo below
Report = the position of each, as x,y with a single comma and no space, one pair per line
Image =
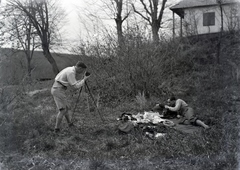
220,34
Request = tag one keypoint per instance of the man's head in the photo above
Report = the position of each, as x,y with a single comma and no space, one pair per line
80,67
171,100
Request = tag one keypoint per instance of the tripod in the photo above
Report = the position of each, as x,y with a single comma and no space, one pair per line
91,98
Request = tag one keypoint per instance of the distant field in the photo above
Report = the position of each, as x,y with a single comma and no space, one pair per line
13,65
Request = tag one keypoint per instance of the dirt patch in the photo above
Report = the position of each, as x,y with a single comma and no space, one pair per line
45,91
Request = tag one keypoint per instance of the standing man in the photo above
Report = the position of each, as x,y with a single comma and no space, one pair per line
65,78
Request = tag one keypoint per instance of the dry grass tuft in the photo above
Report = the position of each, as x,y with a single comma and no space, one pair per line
141,100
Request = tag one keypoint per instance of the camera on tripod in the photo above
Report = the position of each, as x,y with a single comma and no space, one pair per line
87,74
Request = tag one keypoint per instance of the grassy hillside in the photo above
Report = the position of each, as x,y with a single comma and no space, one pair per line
186,68
13,65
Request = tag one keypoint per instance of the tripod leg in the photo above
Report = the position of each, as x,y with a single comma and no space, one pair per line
88,105
76,102
94,101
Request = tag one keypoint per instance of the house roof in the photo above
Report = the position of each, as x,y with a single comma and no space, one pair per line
178,8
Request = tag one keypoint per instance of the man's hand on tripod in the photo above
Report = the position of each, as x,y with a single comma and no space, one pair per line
80,83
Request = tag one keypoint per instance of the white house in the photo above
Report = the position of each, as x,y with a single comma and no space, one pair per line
206,16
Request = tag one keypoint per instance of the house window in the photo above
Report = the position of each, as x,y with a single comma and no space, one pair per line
209,19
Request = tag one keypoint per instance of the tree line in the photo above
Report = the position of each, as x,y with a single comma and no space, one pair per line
37,23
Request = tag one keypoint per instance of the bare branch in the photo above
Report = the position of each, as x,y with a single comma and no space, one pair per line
127,15
145,7
151,7
160,16
139,13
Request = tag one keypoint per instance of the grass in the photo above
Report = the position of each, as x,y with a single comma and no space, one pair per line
28,142
94,144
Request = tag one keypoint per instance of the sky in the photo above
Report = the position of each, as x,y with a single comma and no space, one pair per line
74,27
74,8
79,26
71,7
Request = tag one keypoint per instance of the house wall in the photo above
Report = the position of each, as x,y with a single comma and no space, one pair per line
193,20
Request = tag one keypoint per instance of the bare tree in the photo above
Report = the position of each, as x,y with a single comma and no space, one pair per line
45,16
232,17
153,15
119,19
21,30
117,10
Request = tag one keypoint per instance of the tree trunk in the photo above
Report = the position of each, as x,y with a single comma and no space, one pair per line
155,35
29,67
119,33
47,54
28,52
119,22
51,60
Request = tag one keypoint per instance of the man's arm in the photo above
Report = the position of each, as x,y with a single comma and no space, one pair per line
176,108
79,83
73,82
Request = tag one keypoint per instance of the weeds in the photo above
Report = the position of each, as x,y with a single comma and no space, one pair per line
141,100
91,144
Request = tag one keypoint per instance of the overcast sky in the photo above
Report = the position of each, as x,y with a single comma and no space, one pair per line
78,26
78,18
81,27
73,26
74,8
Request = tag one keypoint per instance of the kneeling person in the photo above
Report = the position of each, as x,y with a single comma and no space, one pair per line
187,113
